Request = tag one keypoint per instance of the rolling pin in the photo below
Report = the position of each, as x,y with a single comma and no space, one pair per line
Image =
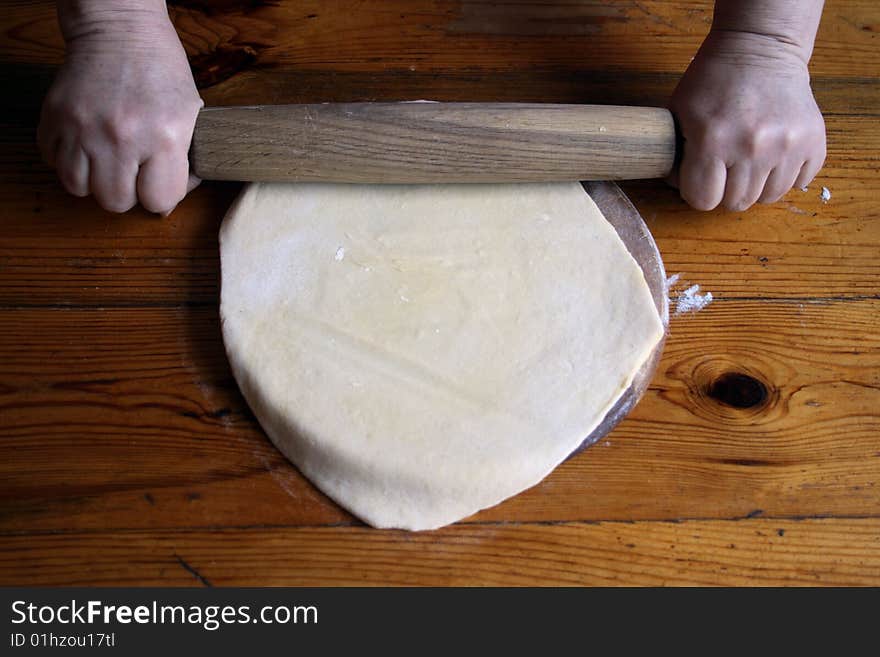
426,142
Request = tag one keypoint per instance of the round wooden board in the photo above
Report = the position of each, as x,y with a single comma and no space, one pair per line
631,228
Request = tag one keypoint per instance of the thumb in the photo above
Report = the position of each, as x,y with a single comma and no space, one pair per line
193,182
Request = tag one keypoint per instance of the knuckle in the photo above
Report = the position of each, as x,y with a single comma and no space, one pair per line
166,138
78,114
693,190
161,200
716,135
789,140
71,184
171,136
699,201
116,205
753,141
115,199
156,203
121,128
65,115
150,207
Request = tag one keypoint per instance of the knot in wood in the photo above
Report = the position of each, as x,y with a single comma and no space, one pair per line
738,390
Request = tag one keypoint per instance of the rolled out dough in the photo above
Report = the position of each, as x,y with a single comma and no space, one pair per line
424,352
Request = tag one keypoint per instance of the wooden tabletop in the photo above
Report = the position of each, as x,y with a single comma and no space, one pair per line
127,455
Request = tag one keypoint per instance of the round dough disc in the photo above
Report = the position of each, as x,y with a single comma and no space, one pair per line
424,352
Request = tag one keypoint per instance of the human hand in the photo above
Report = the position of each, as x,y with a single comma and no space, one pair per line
751,127
118,119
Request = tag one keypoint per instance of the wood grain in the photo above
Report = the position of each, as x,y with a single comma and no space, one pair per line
765,552
444,35
62,251
432,143
128,456
145,400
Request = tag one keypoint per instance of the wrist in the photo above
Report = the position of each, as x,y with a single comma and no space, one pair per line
121,20
787,26
755,49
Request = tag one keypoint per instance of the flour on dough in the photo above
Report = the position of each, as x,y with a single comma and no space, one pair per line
423,352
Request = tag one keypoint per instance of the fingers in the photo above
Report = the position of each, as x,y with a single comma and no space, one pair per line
193,182
705,183
163,181
759,177
808,171
780,180
159,184
113,182
744,185
73,168
701,181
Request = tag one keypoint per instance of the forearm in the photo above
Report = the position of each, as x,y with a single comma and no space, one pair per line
792,23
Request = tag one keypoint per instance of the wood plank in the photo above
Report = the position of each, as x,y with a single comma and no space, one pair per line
64,250
127,455
136,413
61,250
835,95
858,96
130,418
767,552
443,34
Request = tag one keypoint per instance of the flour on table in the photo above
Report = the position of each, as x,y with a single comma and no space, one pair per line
690,300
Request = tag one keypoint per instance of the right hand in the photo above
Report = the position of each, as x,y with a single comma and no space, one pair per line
119,117
751,127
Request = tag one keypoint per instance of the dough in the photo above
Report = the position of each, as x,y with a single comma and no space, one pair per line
424,352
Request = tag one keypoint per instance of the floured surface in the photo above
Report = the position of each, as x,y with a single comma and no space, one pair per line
423,352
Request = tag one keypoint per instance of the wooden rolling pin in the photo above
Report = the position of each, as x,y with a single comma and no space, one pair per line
422,142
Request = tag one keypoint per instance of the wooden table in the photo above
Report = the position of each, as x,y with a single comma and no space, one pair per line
129,457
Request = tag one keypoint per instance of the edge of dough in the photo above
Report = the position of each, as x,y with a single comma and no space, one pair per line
351,486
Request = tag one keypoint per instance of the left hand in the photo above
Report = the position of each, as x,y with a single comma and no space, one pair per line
118,120
751,127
